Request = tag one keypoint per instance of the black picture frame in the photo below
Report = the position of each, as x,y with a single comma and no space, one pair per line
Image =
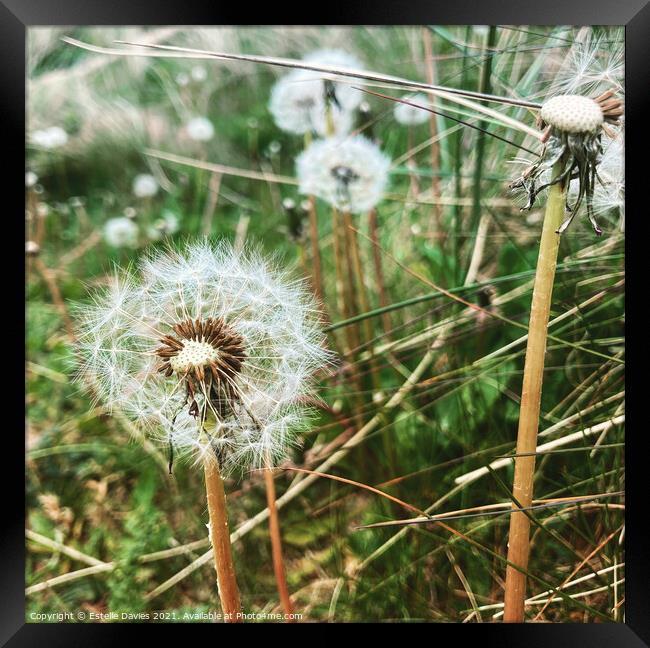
17,15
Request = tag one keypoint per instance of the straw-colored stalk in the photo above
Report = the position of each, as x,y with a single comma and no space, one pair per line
276,545
433,130
317,275
531,393
373,232
220,539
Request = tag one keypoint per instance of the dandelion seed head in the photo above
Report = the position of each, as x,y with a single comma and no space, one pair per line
50,138
349,173
298,102
206,348
167,225
573,114
121,232
200,129
199,73
298,106
410,115
145,185
30,179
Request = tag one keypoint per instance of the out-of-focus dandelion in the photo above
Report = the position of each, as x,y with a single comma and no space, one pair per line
145,185
182,78
210,352
408,115
167,225
49,138
349,173
32,248
199,73
30,179
303,102
200,129
121,232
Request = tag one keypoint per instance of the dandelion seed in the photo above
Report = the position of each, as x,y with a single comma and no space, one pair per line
121,232
50,138
350,173
145,185
200,129
410,115
207,349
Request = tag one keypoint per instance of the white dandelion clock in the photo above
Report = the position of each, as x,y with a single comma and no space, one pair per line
298,106
167,225
347,97
30,179
408,115
121,232
200,129
208,350
306,101
351,173
145,185
50,138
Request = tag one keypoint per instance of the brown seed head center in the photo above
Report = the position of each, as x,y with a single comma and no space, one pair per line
204,351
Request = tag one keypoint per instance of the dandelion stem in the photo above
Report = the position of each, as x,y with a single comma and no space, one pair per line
518,539
276,544
220,539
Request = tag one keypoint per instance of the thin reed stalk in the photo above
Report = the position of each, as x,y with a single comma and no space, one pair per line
276,545
518,538
373,232
433,129
317,274
220,539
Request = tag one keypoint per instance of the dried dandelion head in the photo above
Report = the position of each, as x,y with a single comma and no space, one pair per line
303,101
349,173
208,350
572,133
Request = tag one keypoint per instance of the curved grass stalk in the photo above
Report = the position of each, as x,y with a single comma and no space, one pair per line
452,94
